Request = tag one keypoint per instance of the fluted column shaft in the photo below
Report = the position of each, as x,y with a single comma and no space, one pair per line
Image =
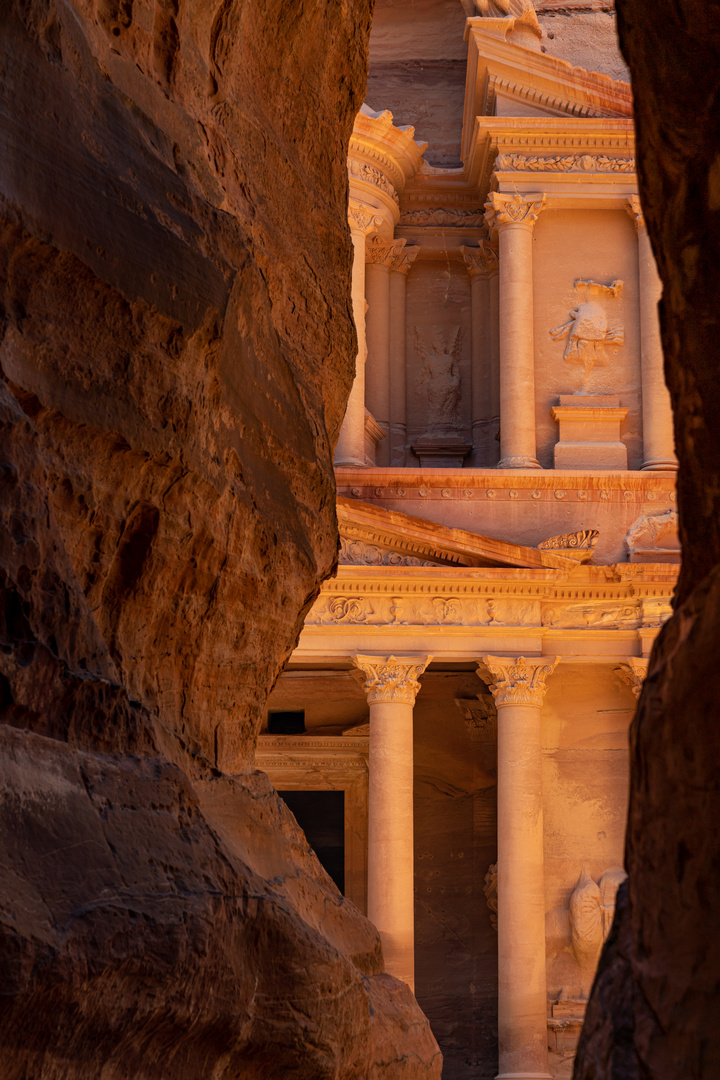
518,686
391,685
658,437
514,217
350,449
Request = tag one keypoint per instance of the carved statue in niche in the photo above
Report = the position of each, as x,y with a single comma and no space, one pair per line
440,376
576,934
588,329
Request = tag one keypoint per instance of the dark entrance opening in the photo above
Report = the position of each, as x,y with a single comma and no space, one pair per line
321,816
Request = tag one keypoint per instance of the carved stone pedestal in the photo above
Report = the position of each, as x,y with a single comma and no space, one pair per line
441,451
589,432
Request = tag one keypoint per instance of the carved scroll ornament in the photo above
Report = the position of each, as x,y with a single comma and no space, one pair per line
633,673
391,678
518,681
360,170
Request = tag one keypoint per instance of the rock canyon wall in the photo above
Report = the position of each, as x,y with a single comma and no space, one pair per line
654,1008
177,347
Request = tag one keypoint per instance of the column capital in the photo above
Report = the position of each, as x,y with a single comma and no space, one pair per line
517,680
502,210
403,260
391,678
383,252
633,672
635,210
480,261
364,221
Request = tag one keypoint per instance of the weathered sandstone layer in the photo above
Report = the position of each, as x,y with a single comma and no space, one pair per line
655,1005
177,347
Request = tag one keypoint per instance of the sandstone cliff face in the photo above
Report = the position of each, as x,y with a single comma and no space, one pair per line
654,1008
176,349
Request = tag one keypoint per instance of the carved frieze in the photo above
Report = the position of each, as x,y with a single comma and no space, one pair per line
596,616
391,678
518,681
361,170
359,553
450,218
565,163
429,610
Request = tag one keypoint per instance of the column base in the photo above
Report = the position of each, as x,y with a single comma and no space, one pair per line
660,465
349,463
518,463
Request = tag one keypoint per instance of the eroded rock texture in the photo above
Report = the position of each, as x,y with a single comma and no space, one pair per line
655,1004
177,347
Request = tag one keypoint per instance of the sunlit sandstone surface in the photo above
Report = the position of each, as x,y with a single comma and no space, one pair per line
509,540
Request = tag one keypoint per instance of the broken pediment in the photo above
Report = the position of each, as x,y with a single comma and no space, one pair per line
505,79
372,536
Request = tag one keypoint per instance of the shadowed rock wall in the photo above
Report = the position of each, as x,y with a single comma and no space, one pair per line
177,347
655,1005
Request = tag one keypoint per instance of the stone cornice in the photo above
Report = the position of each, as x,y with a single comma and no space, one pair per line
391,678
517,681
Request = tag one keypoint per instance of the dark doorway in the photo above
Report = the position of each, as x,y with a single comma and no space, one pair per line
321,816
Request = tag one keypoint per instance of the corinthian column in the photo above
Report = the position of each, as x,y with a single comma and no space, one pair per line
379,257
399,268
391,685
482,266
350,449
514,217
518,686
658,440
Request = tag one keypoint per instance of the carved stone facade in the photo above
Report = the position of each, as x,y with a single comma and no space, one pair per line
506,503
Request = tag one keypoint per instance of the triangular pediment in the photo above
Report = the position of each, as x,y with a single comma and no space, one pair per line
506,79
372,536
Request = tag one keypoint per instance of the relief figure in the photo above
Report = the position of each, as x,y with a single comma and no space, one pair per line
588,330
441,378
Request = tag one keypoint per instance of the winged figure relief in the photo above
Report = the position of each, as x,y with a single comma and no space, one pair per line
588,330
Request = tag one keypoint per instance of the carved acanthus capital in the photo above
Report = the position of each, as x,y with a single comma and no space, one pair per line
481,261
501,210
517,681
391,678
402,262
635,211
383,252
633,672
364,221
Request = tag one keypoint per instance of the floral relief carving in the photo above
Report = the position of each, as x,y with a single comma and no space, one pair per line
359,553
513,209
446,218
482,260
577,545
350,609
564,163
362,171
363,220
518,681
391,678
